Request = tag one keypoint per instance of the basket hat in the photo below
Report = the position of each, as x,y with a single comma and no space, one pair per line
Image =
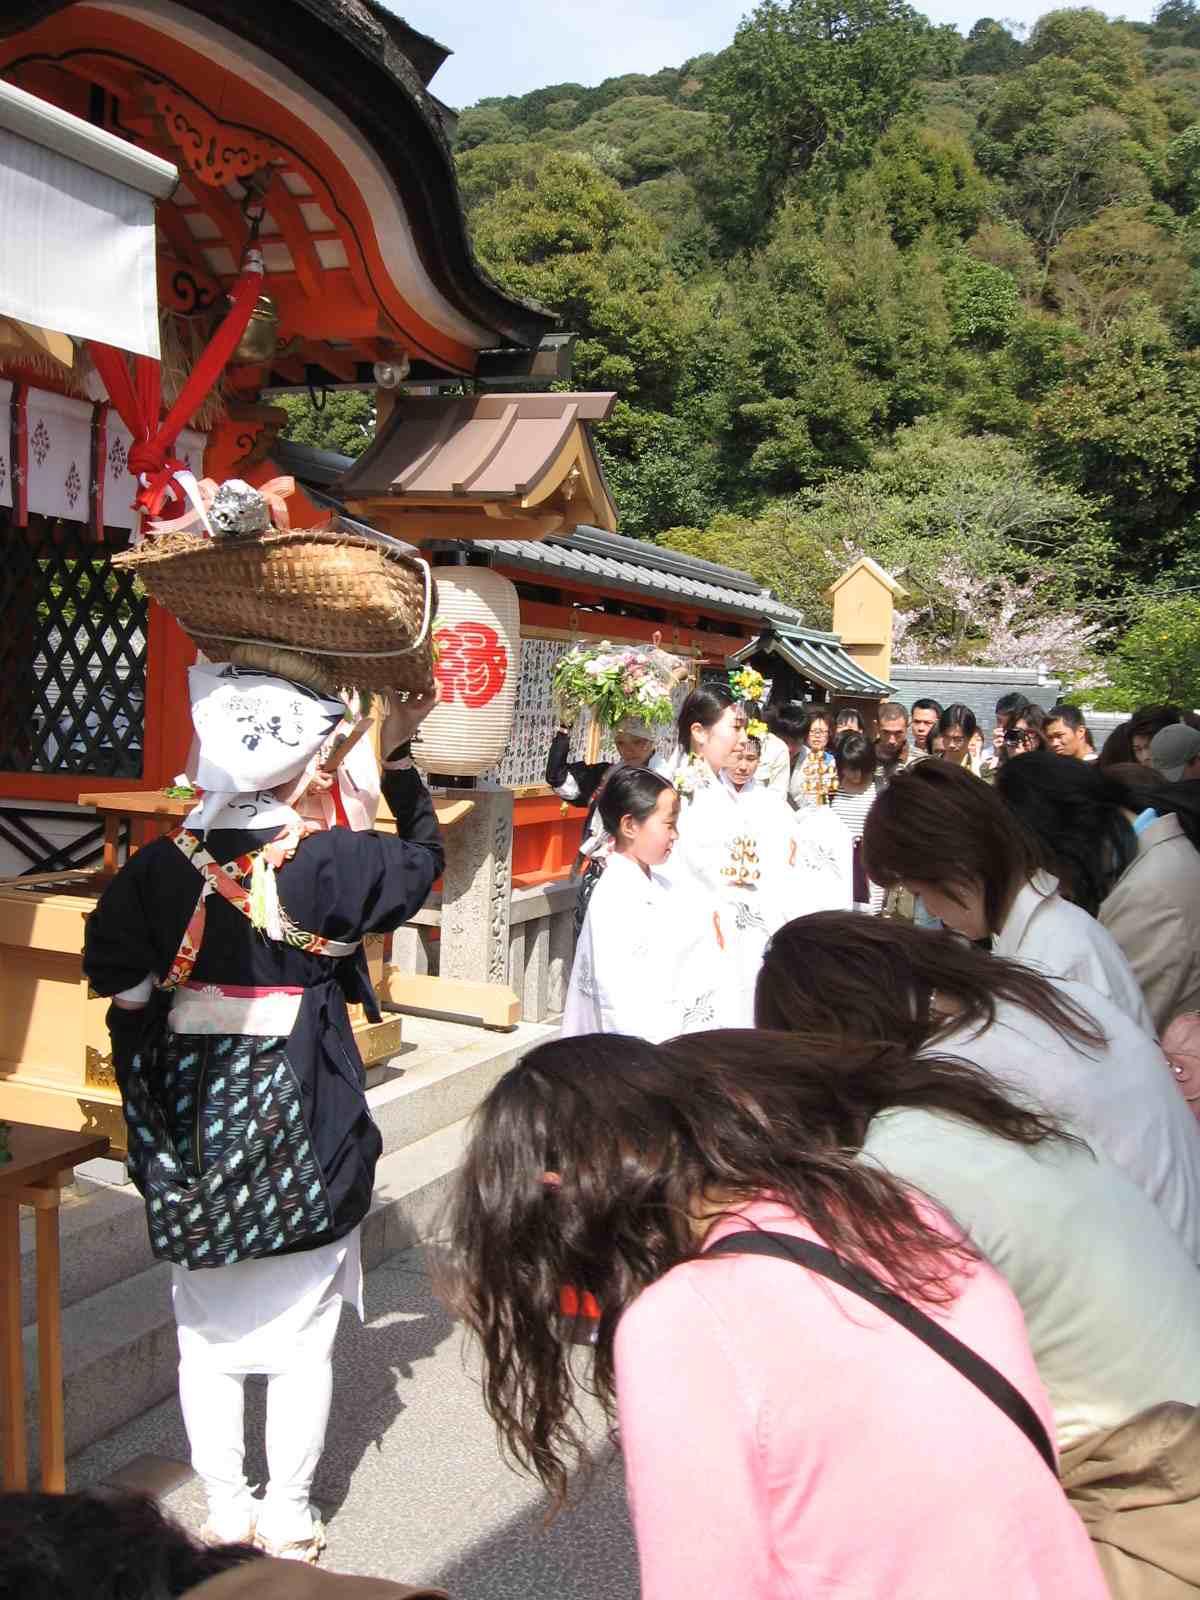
1172,748
358,603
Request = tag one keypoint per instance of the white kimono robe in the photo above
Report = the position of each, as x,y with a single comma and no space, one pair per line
642,965
754,865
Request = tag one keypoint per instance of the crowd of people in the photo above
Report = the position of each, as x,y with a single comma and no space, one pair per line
866,1165
883,1228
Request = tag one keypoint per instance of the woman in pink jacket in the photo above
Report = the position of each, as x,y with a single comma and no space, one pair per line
785,1437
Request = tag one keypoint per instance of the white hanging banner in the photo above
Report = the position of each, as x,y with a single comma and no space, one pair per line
77,250
59,431
59,440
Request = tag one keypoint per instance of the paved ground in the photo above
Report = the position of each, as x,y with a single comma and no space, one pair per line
412,1485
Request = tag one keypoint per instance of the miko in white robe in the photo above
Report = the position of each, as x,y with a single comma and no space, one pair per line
642,965
750,864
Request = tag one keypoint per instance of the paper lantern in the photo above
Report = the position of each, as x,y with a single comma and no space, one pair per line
477,633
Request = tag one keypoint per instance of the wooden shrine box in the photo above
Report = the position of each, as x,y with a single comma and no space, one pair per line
55,1066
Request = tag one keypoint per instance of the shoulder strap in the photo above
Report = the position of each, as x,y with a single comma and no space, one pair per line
818,1258
226,880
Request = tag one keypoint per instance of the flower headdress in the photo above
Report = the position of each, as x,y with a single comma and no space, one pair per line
746,684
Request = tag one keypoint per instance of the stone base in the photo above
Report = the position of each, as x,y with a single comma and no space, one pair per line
107,1170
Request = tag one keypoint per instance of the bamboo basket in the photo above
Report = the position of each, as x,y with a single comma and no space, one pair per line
361,607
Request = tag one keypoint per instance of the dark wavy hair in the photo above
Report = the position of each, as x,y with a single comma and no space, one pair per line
1078,810
705,705
787,721
1034,719
936,823
102,1546
629,792
850,717
860,981
590,1161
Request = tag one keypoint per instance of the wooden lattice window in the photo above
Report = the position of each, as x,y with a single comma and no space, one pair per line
72,653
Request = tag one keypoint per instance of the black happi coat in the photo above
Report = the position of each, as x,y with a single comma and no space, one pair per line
339,883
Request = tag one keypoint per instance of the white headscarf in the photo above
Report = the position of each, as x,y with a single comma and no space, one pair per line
254,733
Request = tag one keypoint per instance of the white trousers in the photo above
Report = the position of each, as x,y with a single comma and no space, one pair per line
297,1415
277,1317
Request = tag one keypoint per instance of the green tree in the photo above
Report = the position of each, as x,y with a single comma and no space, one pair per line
1088,38
562,233
343,422
1124,427
1086,166
928,179
655,469
1099,267
801,98
985,303
990,48
1179,171
778,546
1158,659
485,125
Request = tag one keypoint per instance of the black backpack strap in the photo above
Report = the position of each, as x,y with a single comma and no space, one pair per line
985,1377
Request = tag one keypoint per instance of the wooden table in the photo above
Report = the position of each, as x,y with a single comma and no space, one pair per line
43,1163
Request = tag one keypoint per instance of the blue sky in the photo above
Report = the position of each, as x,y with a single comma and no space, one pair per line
510,48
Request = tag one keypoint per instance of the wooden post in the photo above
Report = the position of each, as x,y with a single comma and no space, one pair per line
50,1376
13,1454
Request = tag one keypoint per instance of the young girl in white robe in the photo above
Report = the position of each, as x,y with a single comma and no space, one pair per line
636,969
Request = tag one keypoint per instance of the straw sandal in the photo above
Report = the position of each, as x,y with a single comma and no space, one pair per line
210,1536
306,1550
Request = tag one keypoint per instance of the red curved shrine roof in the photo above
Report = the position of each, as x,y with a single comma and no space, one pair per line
366,243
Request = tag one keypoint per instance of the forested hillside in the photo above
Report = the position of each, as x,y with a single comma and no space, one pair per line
864,284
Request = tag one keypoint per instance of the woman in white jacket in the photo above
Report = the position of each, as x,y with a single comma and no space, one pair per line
1098,1244
941,834
1060,1045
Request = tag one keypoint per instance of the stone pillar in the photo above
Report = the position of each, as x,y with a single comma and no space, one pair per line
562,953
477,890
535,990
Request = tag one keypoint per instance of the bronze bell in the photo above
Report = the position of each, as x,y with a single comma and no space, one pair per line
259,342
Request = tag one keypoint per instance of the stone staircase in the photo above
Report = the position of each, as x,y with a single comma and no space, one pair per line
119,1350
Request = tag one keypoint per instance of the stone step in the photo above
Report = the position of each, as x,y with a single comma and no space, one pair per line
439,1078
103,1240
119,1350
445,1076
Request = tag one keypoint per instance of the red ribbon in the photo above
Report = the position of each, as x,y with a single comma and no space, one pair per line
138,399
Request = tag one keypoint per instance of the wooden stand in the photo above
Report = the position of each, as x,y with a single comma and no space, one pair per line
42,1164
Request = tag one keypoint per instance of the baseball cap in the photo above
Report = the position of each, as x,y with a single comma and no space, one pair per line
1172,748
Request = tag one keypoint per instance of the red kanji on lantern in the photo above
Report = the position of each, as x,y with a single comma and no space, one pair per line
472,663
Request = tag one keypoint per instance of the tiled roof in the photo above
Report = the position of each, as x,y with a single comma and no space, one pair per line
821,658
637,567
464,447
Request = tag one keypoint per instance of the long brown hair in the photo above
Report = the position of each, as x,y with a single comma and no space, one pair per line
869,981
937,823
590,1160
